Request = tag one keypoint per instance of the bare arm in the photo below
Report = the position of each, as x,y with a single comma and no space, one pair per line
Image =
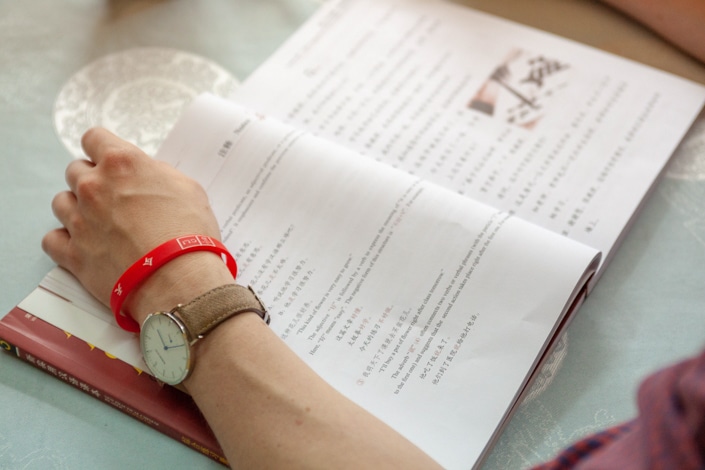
681,22
267,407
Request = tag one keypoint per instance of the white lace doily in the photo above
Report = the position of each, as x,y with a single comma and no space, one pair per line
138,94
688,162
545,375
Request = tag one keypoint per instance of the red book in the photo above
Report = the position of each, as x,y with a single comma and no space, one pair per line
122,386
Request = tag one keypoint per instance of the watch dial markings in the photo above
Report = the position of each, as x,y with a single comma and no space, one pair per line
166,352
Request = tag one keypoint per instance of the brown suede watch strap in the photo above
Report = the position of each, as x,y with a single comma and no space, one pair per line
208,310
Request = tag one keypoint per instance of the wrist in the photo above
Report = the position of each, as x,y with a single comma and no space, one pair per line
177,282
169,340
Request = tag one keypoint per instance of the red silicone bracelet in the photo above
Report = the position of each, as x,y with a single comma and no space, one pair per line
158,257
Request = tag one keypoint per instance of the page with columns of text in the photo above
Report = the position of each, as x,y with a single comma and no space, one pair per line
560,134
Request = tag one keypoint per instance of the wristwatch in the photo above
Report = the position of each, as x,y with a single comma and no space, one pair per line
167,338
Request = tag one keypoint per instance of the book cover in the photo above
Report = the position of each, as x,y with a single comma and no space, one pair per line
112,381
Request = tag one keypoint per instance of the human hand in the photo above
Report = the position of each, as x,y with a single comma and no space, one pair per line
119,206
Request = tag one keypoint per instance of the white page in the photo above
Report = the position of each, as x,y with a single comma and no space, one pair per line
571,139
427,308
75,311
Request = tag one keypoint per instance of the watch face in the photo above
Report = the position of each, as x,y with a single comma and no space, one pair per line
165,348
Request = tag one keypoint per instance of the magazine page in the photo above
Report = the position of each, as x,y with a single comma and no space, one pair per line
563,135
397,291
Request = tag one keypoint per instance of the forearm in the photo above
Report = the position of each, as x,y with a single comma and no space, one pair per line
681,22
271,411
265,405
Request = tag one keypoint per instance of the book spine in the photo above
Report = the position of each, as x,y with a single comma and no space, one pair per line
34,354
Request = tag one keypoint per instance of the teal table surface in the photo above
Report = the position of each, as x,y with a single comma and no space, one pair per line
647,310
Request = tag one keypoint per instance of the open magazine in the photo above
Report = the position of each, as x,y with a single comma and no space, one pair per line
427,308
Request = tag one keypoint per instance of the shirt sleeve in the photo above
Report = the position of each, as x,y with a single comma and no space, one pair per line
668,433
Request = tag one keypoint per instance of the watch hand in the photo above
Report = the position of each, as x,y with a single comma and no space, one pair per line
177,346
161,339
156,351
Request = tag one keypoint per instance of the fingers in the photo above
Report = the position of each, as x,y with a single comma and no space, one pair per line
75,170
95,141
56,244
63,205
99,143
86,208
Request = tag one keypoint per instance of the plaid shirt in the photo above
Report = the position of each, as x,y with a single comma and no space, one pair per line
669,432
